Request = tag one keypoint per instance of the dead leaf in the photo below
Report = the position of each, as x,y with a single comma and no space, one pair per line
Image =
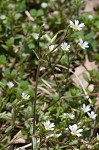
97,105
81,70
18,138
90,5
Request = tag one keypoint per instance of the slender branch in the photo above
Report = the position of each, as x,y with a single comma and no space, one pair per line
56,81
35,99
37,80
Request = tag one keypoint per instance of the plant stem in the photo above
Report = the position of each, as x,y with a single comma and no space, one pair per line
37,80
35,99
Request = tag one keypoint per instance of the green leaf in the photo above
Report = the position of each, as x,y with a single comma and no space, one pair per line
89,36
33,12
14,73
2,59
34,143
53,39
10,42
17,16
24,85
40,13
7,73
8,129
31,46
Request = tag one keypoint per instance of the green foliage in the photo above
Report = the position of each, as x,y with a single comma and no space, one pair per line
28,29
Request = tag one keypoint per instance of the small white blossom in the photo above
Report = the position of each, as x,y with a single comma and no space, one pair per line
97,137
25,96
48,125
92,115
86,108
83,44
2,17
75,131
51,47
65,47
10,84
44,5
76,26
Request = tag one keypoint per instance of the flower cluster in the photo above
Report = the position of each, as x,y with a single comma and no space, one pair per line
76,27
86,109
74,129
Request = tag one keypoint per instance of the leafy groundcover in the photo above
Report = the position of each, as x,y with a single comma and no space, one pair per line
49,77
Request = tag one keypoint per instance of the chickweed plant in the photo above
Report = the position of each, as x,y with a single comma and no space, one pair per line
44,46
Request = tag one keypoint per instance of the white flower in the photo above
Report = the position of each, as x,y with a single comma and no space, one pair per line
10,84
65,46
92,115
48,125
86,108
2,17
44,5
83,44
75,131
97,137
51,47
76,26
25,96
